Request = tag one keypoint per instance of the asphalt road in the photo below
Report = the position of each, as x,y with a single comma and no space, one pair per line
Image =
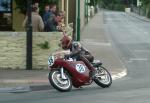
130,37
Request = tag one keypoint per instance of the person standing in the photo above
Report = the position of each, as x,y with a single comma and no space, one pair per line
49,14
37,22
46,14
53,8
53,24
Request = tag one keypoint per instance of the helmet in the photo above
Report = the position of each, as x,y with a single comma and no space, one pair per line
66,42
76,45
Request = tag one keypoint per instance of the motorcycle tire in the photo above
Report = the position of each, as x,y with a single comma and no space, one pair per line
58,83
99,79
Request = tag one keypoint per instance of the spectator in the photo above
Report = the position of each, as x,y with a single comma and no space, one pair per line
37,22
53,8
49,13
61,23
62,14
46,14
36,4
53,24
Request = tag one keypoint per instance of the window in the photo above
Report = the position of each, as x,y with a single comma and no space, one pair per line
5,6
5,15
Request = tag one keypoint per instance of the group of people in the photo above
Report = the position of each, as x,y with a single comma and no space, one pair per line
50,20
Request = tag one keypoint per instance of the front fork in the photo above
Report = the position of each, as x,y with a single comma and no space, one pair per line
62,73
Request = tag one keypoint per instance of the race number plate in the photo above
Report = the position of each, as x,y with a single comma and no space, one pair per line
51,60
80,68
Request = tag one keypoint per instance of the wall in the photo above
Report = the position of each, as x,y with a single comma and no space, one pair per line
13,49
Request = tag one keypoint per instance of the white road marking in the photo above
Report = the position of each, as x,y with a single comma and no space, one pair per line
90,42
137,59
119,75
141,50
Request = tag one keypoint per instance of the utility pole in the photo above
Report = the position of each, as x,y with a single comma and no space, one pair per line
78,21
86,10
139,5
29,36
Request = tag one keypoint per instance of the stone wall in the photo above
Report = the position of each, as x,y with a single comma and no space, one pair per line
13,49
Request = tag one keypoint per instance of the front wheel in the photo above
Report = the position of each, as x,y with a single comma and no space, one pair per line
59,83
103,77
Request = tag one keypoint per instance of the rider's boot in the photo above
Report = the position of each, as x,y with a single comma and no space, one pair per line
93,74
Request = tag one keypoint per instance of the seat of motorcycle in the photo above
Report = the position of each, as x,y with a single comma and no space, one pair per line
97,64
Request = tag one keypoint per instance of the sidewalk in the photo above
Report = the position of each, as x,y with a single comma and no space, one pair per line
23,80
139,16
93,38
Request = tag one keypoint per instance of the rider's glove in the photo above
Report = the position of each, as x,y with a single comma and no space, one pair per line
67,56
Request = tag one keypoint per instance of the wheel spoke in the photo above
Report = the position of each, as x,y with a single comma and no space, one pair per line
64,84
103,76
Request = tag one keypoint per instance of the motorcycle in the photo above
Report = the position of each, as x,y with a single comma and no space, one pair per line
67,72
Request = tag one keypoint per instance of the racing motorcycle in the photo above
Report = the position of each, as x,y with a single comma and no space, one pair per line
67,72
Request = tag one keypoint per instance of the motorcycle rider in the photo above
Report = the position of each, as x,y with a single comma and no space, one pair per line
78,52
76,49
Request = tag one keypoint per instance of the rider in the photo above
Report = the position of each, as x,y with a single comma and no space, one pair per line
76,49
78,53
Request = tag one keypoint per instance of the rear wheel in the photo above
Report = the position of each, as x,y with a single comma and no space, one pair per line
59,83
103,77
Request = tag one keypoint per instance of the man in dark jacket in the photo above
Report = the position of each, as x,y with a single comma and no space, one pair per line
52,24
50,11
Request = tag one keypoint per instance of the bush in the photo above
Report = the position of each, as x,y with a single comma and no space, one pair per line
119,7
44,45
148,10
110,7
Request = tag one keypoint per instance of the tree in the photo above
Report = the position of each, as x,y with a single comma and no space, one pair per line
145,2
146,5
118,5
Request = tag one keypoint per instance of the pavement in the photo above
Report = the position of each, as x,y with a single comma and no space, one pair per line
93,37
139,16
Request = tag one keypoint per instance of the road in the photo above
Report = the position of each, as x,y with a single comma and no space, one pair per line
130,37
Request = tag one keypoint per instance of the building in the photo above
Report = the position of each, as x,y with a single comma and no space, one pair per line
5,15
11,20
14,46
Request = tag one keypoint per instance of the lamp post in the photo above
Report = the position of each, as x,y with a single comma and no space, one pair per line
29,36
78,20
139,5
86,10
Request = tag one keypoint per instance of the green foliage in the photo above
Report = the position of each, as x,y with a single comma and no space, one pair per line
115,4
146,6
145,2
148,12
44,45
110,6
93,2
119,7
116,7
